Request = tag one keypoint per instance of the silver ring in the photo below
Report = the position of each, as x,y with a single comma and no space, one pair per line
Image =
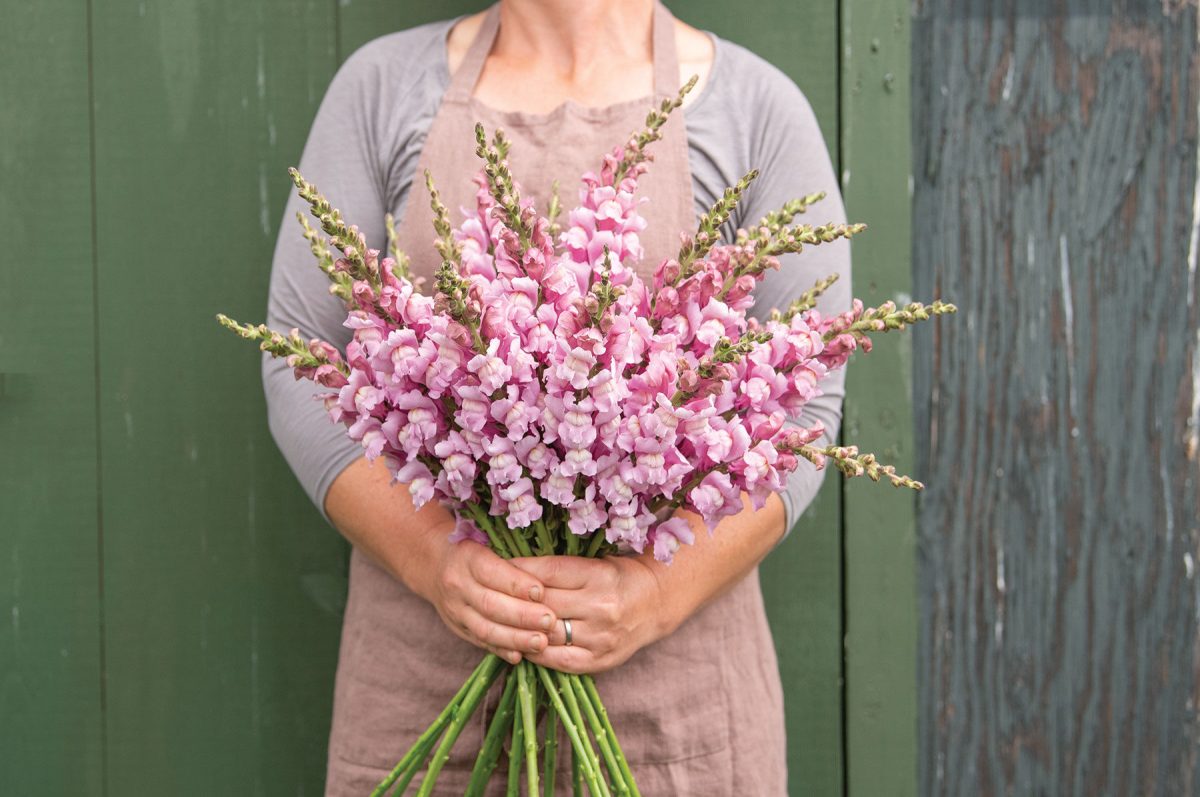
567,628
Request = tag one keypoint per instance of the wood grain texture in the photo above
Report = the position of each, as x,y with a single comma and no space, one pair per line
1055,202
879,521
51,729
221,632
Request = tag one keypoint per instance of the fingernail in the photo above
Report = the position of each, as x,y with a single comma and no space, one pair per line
535,593
537,642
514,657
546,621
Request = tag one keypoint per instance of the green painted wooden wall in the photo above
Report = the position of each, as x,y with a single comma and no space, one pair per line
171,601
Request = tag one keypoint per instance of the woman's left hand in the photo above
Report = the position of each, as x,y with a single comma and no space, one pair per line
615,604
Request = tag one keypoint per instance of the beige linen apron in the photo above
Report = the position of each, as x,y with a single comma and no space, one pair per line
698,713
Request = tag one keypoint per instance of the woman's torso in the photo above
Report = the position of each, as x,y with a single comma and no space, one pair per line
697,711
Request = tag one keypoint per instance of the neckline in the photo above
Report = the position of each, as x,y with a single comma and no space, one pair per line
531,118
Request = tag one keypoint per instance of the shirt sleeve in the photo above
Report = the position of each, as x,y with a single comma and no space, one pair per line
341,158
788,148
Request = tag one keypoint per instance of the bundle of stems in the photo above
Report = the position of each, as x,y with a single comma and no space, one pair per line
532,695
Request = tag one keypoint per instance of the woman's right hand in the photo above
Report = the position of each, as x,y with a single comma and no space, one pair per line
482,598
491,603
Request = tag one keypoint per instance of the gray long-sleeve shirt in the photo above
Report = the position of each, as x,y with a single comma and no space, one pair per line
362,152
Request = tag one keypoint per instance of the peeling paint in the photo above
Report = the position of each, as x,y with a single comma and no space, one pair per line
264,200
1068,320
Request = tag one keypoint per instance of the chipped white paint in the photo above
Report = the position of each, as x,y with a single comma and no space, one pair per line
1192,442
260,72
1001,584
1064,265
1001,588
902,298
1006,92
1189,565
1029,249
912,186
1194,244
1168,503
845,178
264,204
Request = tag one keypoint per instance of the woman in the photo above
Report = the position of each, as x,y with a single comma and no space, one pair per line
683,654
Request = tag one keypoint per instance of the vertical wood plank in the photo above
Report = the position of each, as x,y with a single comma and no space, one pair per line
222,582
51,734
802,579
880,590
1056,190
362,20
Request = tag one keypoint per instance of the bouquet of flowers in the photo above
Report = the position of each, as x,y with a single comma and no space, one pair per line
560,405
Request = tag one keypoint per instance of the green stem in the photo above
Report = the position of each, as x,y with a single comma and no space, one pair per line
576,775
529,720
484,522
522,545
490,669
550,751
489,752
602,735
416,754
545,541
593,761
589,685
594,546
578,742
517,749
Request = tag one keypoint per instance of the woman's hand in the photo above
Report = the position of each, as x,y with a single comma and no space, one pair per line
491,603
615,605
481,597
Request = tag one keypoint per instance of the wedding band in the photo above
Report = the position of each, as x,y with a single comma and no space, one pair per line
567,628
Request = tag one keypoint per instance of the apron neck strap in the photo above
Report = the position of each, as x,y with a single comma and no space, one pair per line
666,61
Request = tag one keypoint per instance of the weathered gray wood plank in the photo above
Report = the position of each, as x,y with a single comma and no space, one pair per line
1055,184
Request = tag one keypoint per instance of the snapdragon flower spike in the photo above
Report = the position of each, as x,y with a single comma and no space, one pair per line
850,462
709,233
316,360
628,159
806,301
446,245
358,261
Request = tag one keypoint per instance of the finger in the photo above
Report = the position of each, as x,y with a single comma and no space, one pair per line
579,632
577,604
496,573
569,659
460,630
507,610
490,634
560,572
511,656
